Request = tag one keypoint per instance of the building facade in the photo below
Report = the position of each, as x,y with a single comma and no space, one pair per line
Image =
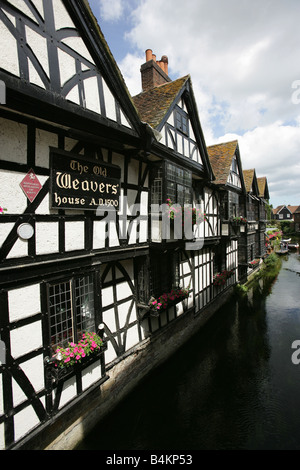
91,238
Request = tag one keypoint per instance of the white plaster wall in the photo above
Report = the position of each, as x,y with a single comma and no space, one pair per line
67,66
38,44
98,235
61,16
133,172
143,231
123,290
123,312
132,232
110,103
12,196
107,296
69,391
8,51
34,370
132,337
92,94
91,374
13,138
74,236
24,302
26,339
24,421
47,237
124,120
19,249
39,6
110,353
113,236
78,45
119,161
109,319
44,140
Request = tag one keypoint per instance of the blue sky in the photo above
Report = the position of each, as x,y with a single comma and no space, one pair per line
243,58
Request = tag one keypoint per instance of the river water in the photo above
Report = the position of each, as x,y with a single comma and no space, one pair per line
232,386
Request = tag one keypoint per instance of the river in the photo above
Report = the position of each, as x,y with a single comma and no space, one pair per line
232,386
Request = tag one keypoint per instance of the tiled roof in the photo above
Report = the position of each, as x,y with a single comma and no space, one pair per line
153,105
248,178
292,209
221,156
277,209
263,187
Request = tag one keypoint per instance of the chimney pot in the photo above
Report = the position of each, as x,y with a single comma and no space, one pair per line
148,55
154,73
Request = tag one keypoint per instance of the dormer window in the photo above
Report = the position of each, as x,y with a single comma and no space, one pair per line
181,122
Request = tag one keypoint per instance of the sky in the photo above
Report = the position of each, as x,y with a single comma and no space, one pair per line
244,61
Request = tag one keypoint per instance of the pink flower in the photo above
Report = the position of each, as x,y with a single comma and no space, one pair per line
67,360
77,358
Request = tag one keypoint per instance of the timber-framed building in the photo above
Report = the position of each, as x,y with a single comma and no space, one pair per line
82,248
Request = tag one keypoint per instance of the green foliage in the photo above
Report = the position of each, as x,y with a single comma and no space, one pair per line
241,289
271,260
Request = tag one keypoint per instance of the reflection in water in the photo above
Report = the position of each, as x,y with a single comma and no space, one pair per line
232,386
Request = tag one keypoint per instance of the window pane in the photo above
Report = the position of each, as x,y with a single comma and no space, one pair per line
180,194
84,301
61,318
171,191
171,172
188,196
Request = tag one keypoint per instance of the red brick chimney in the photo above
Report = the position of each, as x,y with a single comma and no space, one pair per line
154,73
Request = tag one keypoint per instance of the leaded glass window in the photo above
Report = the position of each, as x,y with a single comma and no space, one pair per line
71,309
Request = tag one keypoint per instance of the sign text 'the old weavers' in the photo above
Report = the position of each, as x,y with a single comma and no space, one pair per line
83,184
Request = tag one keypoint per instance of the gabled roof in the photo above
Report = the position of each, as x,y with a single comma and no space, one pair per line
251,181
156,105
220,156
292,209
263,187
52,70
277,209
153,105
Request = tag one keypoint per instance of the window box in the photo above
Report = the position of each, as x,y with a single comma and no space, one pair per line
67,361
239,220
253,264
163,302
221,277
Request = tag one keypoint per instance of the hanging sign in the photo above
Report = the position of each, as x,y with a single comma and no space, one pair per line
31,185
78,183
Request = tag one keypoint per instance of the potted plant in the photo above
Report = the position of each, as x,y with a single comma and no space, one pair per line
221,277
167,299
239,220
76,352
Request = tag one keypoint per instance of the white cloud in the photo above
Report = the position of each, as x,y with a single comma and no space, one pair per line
111,10
273,151
243,58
